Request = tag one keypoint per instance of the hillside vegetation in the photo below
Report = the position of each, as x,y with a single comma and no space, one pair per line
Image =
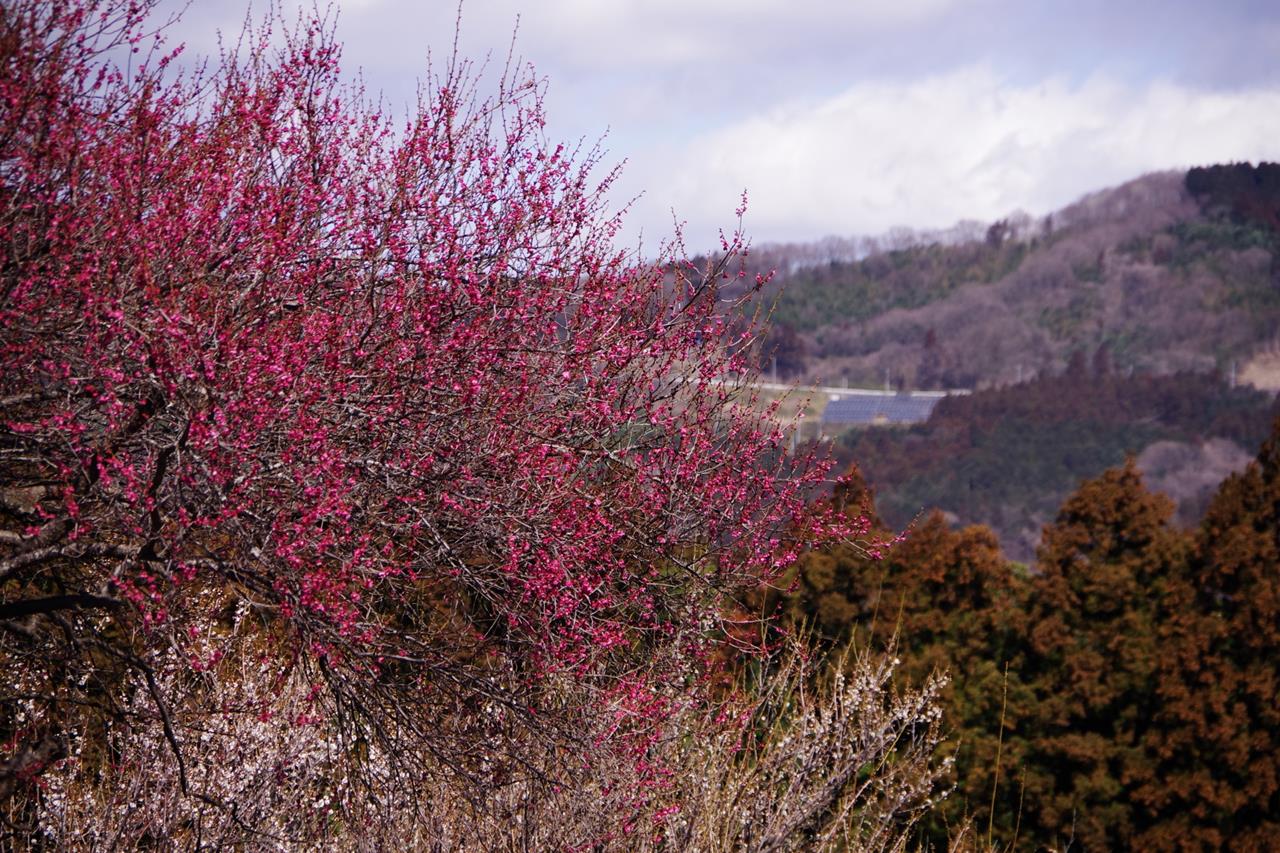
1007,457
1117,695
1170,272
1126,324
1112,652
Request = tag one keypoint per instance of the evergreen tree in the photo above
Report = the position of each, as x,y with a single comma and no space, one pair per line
1104,570
1218,745
957,606
947,601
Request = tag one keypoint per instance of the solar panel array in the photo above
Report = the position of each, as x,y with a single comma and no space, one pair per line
877,409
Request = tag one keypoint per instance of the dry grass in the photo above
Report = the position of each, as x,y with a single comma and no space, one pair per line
800,762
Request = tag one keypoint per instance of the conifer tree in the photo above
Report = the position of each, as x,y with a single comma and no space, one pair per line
957,606
1104,571
1218,746
946,602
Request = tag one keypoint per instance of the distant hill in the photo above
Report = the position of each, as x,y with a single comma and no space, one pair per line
1116,326
1170,272
1007,457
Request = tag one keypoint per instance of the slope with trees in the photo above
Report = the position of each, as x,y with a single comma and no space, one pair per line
1125,688
1170,272
1007,457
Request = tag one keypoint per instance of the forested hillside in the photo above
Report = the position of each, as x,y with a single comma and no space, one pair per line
1115,327
1111,649
1170,272
1007,457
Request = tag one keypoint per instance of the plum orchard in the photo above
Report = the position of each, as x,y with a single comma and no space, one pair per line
384,389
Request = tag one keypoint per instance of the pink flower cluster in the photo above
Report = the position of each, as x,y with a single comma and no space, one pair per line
389,379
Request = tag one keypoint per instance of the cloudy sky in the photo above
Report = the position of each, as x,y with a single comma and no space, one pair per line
849,117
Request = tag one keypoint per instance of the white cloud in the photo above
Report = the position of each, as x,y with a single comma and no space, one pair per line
965,144
707,97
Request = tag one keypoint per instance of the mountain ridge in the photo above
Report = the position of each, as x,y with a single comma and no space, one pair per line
1166,279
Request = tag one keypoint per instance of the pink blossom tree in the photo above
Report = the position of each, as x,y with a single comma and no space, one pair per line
385,386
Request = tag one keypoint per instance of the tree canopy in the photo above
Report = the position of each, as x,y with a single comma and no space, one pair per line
384,392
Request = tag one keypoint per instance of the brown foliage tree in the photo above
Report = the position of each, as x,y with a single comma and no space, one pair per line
1093,650
1218,746
946,601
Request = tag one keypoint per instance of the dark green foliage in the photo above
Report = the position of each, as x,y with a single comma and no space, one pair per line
1195,238
1245,192
1241,203
905,278
1092,651
1007,456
